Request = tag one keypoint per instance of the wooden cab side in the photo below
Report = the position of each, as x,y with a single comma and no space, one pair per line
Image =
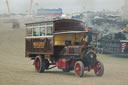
39,39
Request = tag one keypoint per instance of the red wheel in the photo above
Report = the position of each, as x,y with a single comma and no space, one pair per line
39,64
99,69
79,68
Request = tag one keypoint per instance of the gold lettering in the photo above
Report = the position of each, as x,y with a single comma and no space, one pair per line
38,44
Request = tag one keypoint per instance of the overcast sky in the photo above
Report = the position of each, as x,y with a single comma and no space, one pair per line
68,6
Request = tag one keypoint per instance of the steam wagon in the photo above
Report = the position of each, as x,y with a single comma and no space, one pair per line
64,44
115,44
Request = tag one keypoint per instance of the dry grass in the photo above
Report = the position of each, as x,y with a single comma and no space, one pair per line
15,69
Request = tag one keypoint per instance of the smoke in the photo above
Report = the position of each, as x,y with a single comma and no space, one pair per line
124,9
87,5
70,6
100,5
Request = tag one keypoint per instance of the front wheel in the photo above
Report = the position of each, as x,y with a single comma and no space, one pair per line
79,68
39,64
99,68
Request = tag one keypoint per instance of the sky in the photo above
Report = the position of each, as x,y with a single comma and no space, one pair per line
68,6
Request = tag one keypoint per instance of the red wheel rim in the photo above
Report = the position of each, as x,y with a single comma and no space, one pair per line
98,68
37,64
78,69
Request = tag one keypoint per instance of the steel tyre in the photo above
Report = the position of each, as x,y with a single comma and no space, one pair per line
39,64
99,68
79,68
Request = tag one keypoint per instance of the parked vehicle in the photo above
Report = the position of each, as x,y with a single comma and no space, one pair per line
64,44
114,43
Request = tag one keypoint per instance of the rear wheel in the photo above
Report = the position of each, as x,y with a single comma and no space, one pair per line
39,64
99,68
79,68
47,64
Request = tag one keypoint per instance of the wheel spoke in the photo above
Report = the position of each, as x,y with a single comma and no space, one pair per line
99,69
37,64
79,68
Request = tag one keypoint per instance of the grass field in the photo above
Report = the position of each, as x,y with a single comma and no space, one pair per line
15,69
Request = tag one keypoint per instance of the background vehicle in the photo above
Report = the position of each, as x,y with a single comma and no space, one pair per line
116,43
63,43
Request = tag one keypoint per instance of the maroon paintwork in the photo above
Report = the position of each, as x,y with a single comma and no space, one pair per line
48,42
47,48
68,25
